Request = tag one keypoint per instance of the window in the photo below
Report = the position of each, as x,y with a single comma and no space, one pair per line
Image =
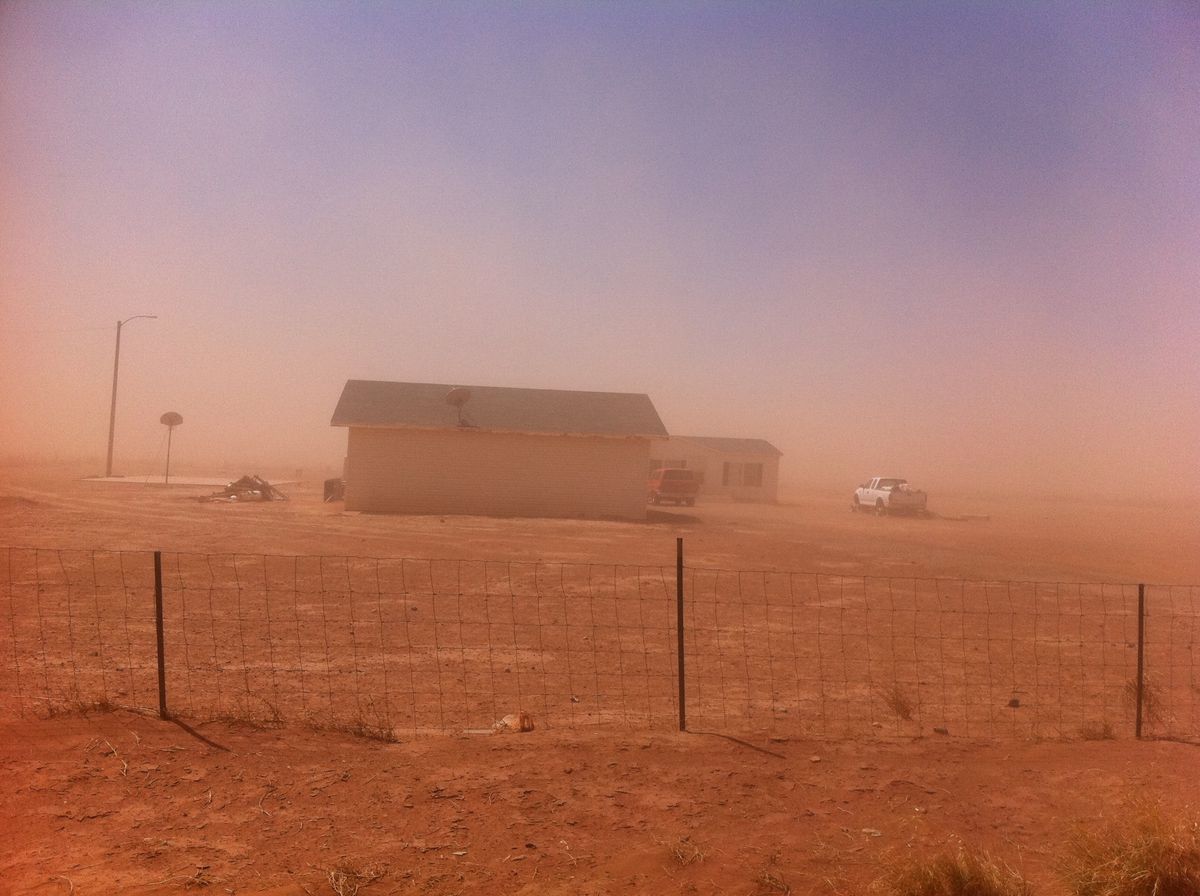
655,464
749,475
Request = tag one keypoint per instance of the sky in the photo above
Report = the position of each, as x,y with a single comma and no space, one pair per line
953,242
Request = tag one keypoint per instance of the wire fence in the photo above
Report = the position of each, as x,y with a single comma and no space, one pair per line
392,647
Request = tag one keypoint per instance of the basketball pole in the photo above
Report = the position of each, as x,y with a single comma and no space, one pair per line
167,474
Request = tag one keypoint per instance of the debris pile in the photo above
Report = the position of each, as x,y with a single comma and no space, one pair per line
248,488
518,721
335,490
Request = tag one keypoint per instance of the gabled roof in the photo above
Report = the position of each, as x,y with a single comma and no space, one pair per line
734,446
554,411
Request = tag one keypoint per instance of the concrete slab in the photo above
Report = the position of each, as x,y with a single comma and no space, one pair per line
219,482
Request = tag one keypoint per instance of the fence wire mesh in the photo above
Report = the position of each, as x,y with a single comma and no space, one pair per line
410,646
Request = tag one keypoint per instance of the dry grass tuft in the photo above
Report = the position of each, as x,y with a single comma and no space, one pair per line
770,880
347,880
684,852
1096,731
358,728
897,701
74,705
275,717
363,728
1143,854
200,879
1153,703
962,873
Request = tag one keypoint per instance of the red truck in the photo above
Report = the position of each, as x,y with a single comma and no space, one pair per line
669,484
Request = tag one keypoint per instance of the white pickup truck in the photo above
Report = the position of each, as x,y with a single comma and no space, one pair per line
888,496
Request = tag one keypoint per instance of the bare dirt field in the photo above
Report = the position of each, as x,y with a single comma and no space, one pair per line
118,802
1081,540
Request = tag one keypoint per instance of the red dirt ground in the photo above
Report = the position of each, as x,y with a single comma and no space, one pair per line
122,803
117,802
1024,538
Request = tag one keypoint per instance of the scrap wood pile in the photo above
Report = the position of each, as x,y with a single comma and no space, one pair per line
248,488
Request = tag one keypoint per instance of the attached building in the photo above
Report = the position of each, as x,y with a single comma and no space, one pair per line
436,448
741,469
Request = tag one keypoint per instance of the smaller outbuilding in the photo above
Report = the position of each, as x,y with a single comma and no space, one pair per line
738,469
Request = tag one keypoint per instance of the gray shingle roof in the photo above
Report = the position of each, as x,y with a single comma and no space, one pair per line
734,446
423,405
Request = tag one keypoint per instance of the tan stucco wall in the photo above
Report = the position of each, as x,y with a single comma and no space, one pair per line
498,474
711,464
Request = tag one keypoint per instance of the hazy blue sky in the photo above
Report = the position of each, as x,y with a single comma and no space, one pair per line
949,241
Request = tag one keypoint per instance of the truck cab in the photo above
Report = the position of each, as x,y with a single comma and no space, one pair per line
888,495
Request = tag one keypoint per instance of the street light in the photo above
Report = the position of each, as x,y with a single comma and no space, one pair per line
112,414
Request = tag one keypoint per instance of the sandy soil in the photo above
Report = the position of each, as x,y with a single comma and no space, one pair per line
117,802
121,803
1022,539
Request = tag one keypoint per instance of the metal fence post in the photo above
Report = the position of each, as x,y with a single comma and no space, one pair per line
679,629
1141,659
158,627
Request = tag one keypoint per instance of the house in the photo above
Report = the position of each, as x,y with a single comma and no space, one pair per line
436,448
741,469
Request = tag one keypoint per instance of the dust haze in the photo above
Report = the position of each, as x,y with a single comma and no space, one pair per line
970,262
950,242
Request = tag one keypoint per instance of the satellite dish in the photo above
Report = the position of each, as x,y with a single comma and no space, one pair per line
456,398
170,420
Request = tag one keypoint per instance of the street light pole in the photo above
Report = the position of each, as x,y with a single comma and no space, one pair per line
112,414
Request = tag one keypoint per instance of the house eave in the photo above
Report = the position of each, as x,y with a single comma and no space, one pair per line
485,429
